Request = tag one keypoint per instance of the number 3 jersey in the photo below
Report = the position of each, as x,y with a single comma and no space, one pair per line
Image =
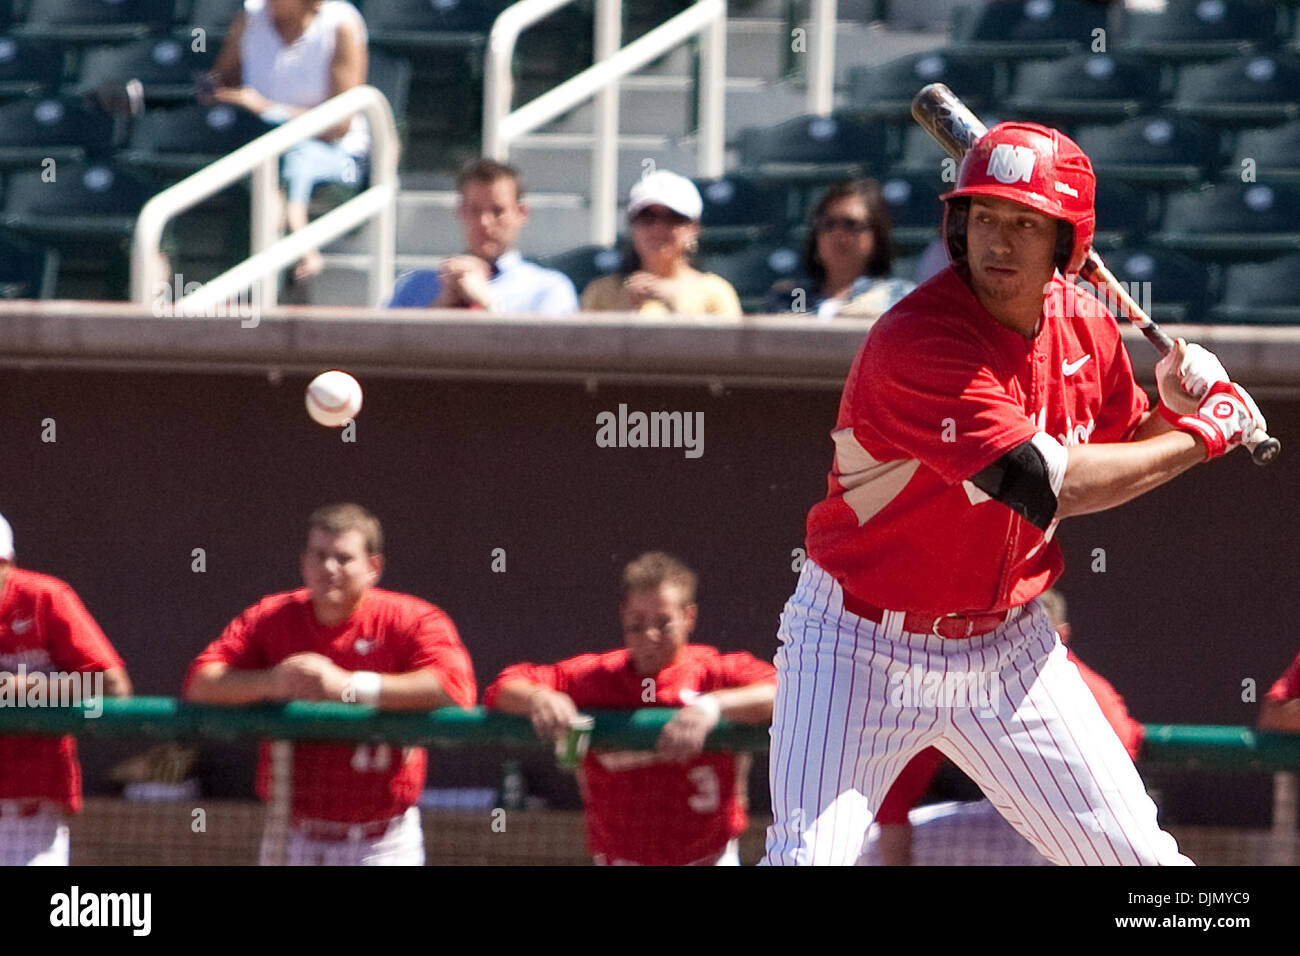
640,807
388,633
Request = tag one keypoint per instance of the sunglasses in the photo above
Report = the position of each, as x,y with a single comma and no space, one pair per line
648,217
846,223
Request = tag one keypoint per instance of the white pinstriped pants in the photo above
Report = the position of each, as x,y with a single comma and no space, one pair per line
1042,752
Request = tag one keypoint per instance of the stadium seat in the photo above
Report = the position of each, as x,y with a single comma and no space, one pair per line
1243,91
585,263
1163,151
1199,29
753,270
64,129
738,210
887,90
94,21
190,137
1261,293
1179,288
921,153
425,25
1271,154
391,75
915,210
1125,213
165,66
1089,87
1013,29
29,67
85,202
1234,220
813,148
26,271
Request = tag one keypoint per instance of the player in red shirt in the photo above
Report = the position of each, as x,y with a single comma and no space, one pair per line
51,652
340,638
895,832
1280,708
987,405
676,805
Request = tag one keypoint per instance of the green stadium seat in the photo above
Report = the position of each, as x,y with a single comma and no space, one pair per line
752,271
585,263
431,24
921,153
1199,29
915,210
1125,213
86,202
165,66
29,67
1241,221
887,90
1014,29
1265,293
1089,87
62,128
1179,289
26,271
1244,91
94,21
739,210
813,148
213,17
1162,151
391,75
182,140
1272,153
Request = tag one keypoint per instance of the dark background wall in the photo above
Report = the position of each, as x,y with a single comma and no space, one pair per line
1198,594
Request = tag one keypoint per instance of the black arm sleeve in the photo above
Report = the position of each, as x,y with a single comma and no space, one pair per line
1020,481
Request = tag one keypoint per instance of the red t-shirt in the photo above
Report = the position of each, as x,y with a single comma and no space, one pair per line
45,627
641,808
938,391
388,633
915,778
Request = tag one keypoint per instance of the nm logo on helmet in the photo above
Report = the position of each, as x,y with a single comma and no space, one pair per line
1008,163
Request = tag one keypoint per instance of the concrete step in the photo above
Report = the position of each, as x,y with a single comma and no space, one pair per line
655,104
756,47
872,44
762,104
560,162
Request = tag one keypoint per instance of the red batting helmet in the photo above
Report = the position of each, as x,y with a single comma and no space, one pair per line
1038,167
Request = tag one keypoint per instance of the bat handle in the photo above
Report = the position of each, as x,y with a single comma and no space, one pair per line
1263,448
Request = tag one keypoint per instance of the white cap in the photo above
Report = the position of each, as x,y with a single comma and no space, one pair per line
6,540
662,188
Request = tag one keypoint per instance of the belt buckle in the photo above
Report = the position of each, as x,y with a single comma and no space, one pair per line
934,628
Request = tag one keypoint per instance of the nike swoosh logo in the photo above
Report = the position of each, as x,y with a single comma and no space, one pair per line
20,625
1069,368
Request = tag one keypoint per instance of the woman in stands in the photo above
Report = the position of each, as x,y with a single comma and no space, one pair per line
847,257
658,278
282,57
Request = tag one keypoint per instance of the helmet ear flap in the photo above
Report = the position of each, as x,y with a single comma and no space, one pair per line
954,227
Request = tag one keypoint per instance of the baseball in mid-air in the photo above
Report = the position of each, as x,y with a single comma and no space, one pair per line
333,397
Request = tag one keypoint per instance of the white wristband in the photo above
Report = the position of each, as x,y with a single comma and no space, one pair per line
364,687
275,114
709,704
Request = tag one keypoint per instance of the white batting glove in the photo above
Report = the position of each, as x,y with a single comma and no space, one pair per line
1226,417
1185,374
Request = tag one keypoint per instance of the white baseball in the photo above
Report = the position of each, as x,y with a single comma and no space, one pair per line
333,397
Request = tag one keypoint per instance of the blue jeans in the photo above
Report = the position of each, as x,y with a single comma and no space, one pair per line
316,161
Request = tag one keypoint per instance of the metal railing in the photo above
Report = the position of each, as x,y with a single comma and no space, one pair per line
501,126
270,251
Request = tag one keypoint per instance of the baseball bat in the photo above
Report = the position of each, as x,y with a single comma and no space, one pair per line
945,117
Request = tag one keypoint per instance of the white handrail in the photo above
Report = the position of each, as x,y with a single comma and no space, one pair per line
821,56
501,128
270,253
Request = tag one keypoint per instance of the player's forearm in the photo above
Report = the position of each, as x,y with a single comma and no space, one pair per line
225,685
417,690
1105,476
746,705
1280,715
516,697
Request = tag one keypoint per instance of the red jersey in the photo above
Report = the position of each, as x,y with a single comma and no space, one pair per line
915,778
388,633
1286,687
939,391
45,627
640,807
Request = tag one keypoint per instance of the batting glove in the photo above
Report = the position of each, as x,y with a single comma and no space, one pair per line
1185,374
1226,417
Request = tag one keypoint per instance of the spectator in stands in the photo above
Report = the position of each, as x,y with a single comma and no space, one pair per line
673,805
657,276
491,275
847,257
1280,708
279,59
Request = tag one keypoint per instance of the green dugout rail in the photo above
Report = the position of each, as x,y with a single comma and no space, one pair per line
166,718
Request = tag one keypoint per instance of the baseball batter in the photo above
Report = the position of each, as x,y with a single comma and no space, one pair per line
340,638
672,806
989,404
44,630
